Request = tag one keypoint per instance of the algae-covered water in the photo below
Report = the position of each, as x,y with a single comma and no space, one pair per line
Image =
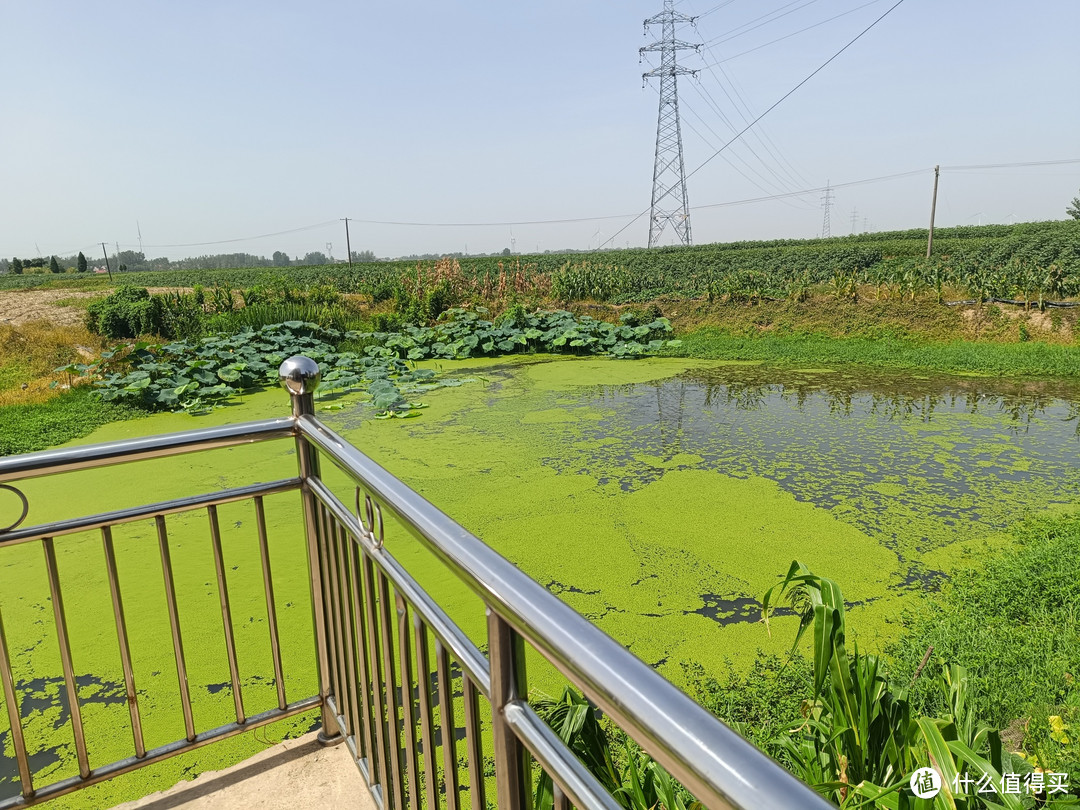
660,498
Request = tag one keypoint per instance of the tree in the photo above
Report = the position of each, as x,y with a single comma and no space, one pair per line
16,266
1074,209
315,257
54,266
363,256
506,252
281,259
81,263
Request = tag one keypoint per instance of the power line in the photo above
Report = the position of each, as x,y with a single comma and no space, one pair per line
1013,165
248,238
729,203
777,103
793,33
714,8
738,32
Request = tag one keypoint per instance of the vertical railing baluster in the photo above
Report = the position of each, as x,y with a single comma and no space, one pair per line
348,631
506,651
359,626
65,657
447,725
427,729
376,675
328,606
174,627
393,735
474,744
7,679
408,716
559,800
337,656
226,613
271,606
122,639
300,377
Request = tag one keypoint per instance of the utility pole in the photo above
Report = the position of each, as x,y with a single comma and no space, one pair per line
107,267
826,201
933,212
669,199
348,246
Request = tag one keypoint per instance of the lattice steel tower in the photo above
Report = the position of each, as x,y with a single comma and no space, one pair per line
669,202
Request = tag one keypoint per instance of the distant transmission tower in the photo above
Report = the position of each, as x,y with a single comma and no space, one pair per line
669,201
854,219
826,202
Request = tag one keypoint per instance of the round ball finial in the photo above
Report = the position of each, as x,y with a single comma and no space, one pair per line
299,375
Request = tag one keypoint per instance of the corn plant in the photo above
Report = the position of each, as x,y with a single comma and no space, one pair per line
858,742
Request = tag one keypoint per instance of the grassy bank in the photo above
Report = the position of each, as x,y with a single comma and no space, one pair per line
992,339
36,426
957,356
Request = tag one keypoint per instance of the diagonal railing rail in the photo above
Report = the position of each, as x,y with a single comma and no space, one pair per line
429,716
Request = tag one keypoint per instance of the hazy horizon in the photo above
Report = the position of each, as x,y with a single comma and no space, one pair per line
204,124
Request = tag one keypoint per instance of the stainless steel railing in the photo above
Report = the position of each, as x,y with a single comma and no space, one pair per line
399,682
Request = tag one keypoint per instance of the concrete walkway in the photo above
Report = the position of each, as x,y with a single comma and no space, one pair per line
294,773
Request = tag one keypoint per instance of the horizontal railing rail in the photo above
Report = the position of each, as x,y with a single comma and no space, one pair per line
432,715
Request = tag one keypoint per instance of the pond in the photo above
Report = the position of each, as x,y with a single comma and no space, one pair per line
662,501
658,497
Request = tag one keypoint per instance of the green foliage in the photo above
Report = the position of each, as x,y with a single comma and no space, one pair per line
54,266
884,349
861,738
636,781
81,263
1014,623
126,313
28,428
16,266
759,704
983,262
196,375
1073,210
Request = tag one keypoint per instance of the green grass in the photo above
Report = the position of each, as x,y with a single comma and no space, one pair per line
77,413
1014,621
956,356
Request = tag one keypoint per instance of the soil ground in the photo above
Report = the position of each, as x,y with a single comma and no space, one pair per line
56,306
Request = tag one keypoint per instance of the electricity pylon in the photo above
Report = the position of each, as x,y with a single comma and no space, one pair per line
669,201
826,203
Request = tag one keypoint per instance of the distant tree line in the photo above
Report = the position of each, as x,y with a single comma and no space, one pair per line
136,261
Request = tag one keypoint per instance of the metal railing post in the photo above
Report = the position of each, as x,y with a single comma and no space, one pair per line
513,779
300,377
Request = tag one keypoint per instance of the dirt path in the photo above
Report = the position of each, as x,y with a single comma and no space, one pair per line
20,306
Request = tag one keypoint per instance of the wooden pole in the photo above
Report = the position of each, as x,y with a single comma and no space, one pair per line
107,267
348,247
933,212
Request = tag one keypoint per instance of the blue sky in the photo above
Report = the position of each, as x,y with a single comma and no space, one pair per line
205,121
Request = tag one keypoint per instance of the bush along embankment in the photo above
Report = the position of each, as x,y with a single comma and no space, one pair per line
196,375
856,727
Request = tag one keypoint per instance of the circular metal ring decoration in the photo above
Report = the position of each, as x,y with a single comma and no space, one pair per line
25,508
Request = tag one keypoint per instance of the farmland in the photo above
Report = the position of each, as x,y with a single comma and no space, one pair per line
1030,261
